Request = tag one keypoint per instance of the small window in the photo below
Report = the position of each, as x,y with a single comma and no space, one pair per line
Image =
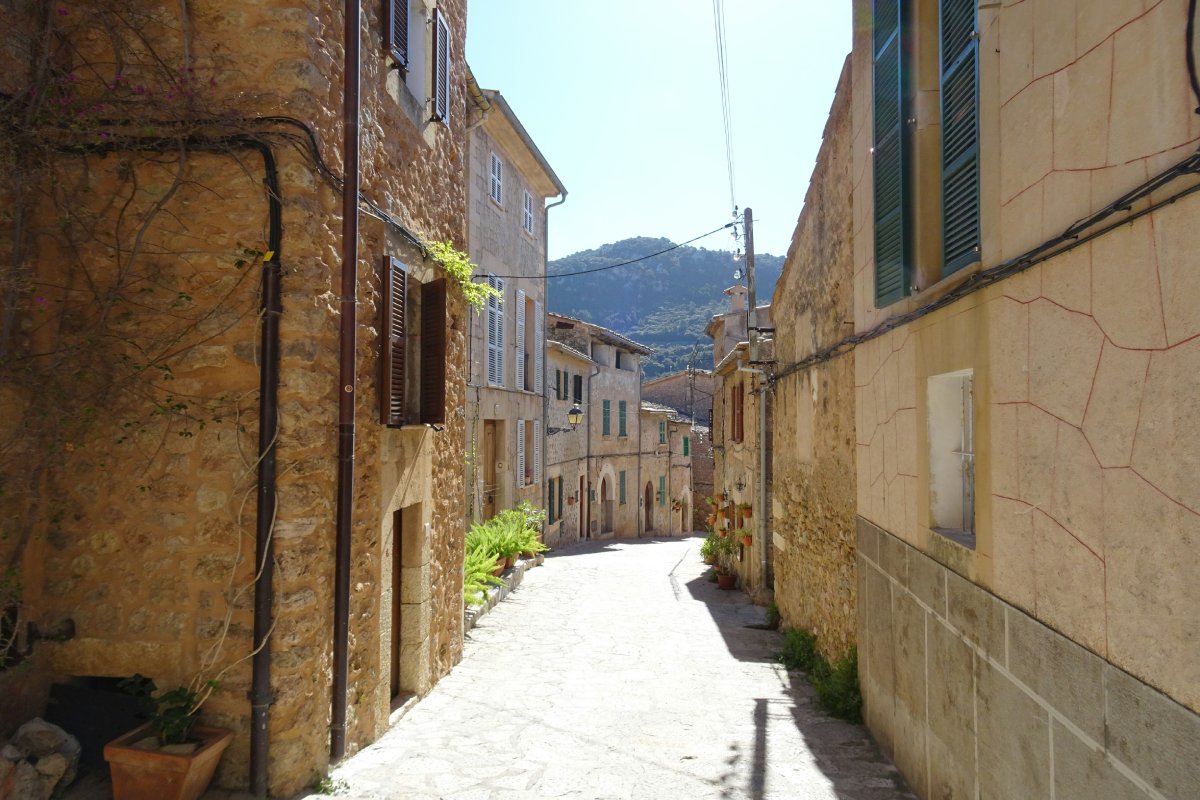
606,418
662,433
495,333
527,216
621,487
412,349
951,430
621,431
578,386
687,446
497,184
662,490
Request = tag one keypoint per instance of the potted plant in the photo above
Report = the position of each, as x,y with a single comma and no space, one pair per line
744,536
708,550
723,552
170,757
747,510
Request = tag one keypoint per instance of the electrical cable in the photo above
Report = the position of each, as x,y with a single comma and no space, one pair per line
723,83
623,263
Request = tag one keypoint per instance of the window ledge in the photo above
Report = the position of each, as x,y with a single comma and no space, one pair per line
960,536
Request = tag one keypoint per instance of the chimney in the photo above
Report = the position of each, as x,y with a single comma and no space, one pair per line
737,298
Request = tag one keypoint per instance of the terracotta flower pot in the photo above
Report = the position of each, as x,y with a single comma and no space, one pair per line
138,774
726,581
747,540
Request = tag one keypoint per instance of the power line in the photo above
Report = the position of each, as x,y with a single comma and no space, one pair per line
623,263
723,81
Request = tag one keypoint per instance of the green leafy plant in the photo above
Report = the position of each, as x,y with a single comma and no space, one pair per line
773,617
172,712
458,266
708,548
478,566
836,684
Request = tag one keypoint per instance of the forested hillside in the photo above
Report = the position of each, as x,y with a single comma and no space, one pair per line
664,302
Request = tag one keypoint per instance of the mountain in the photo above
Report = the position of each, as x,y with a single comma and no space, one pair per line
664,302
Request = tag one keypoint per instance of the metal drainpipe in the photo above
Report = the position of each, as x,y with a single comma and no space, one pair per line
545,361
346,379
261,695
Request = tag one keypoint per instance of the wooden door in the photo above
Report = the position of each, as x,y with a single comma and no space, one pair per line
490,488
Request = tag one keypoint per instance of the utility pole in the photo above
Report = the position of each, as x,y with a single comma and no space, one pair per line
752,325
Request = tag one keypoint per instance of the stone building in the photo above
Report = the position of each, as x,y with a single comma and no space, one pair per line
666,457
813,496
612,425
509,182
191,456
691,392
1027,428
567,370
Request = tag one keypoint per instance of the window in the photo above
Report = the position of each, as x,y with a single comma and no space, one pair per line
529,453
550,502
621,431
578,389
395,30
618,360
896,209
605,418
530,331
951,430
621,487
737,406
441,67
412,349
687,446
495,333
662,432
662,490
527,213
558,380
497,183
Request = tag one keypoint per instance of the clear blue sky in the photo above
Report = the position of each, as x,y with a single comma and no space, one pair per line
622,97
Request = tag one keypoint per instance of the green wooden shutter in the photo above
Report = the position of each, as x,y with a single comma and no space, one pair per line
605,417
960,134
621,486
662,490
687,446
560,498
621,429
892,235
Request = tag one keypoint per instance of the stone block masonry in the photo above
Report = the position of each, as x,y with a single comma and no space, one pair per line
972,697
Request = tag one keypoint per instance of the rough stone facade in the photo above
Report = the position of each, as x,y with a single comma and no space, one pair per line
666,488
691,392
148,540
1086,431
566,450
813,496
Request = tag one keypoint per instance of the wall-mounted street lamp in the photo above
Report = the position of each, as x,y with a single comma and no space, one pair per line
574,417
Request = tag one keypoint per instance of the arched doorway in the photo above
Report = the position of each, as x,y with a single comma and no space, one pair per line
649,507
606,508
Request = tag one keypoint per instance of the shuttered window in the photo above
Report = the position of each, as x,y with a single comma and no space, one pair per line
521,354
621,411
395,30
433,352
892,278
662,490
560,497
662,433
687,446
496,186
606,418
621,487
527,213
520,454
441,67
960,134
550,502
539,347
537,451
393,343
495,331
578,389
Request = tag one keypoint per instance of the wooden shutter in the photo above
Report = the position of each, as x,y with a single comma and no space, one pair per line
537,451
550,501
621,411
441,67
496,184
605,414
520,454
433,352
662,490
890,153
520,340
527,216
687,446
560,497
621,486
392,343
495,348
960,134
662,433
539,335
579,389
395,30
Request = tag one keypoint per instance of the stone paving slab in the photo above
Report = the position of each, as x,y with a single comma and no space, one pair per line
617,671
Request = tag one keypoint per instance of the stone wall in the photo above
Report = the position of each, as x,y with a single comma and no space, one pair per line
686,393
813,493
566,451
973,697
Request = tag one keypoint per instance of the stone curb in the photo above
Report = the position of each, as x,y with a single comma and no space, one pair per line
495,594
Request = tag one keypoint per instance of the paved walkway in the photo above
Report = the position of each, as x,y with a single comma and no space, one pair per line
617,671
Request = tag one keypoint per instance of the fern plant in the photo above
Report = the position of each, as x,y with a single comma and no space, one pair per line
478,566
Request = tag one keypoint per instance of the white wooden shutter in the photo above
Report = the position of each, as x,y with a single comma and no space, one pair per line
496,186
520,454
537,452
539,346
527,215
520,340
495,348
441,67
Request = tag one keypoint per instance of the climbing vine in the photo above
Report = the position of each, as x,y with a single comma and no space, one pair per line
458,266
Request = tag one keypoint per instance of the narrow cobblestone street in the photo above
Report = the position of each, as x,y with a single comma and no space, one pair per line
618,671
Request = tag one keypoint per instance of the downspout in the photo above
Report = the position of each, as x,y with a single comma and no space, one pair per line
594,372
346,380
545,361
261,695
